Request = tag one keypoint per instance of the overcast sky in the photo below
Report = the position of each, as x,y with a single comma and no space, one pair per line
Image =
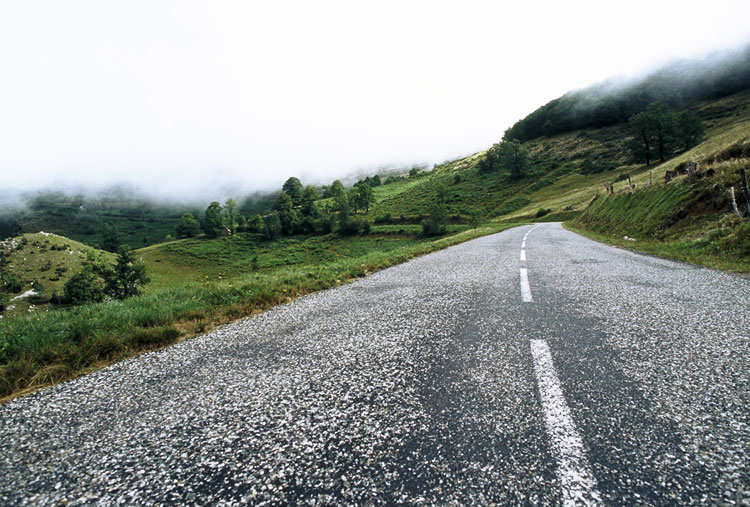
202,97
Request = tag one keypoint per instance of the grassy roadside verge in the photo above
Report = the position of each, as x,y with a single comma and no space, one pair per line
703,252
43,349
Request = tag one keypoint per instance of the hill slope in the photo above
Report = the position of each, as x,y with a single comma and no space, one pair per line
42,262
569,170
680,84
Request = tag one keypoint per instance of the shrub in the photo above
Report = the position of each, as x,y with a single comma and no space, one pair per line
431,227
4,300
474,220
11,282
352,226
384,219
543,211
84,287
622,177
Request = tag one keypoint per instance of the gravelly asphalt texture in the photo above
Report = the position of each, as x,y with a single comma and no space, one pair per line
416,385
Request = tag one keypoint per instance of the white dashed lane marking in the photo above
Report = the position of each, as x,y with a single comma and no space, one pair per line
525,287
573,469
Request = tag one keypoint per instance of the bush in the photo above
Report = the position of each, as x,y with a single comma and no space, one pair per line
622,177
84,287
4,300
474,220
11,282
352,226
543,211
431,227
384,219
325,225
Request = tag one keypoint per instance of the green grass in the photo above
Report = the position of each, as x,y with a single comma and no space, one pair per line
647,213
47,347
726,249
685,221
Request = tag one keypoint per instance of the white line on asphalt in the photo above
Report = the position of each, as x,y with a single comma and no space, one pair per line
523,255
525,287
523,244
573,469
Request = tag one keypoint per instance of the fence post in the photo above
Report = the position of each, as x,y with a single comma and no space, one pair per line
734,203
746,192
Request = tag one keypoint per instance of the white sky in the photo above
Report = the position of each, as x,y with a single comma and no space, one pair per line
207,97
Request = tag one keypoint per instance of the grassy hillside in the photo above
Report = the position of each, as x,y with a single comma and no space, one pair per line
686,220
43,262
201,261
680,84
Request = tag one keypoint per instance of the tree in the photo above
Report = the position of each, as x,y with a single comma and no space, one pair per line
241,223
287,214
188,226
486,164
513,157
230,214
309,207
111,238
663,124
361,197
364,197
255,224
272,225
293,188
214,221
690,129
309,211
436,223
126,277
84,287
642,128
337,190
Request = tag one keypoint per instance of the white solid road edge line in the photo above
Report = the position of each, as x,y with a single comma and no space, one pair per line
525,287
573,469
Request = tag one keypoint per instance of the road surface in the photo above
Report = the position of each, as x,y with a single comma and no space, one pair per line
531,366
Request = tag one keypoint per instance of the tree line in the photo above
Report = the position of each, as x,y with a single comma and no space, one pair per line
679,85
296,210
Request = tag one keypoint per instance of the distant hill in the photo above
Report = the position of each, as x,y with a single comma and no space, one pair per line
43,262
680,84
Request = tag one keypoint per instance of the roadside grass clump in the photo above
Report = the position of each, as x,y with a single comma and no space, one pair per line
44,348
728,250
685,221
647,213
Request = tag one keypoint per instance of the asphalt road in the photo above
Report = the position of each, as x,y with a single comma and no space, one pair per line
595,376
